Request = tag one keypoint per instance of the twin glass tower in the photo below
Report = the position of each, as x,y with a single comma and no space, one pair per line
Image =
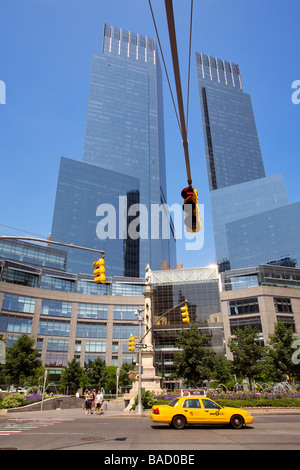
123,166
123,169
253,222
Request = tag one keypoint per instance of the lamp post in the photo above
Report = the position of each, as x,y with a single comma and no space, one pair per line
140,321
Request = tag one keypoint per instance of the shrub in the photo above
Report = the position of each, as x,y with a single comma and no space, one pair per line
13,400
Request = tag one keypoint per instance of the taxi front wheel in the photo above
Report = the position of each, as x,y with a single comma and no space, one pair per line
178,422
237,421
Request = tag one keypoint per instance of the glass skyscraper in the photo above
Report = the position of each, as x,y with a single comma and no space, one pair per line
241,194
80,190
124,138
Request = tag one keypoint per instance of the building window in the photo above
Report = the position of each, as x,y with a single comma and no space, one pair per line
54,328
125,331
243,306
56,359
95,346
17,303
55,283
241,323
91,330
287,321
19,277
15,324
94,311
56,308
127,289
125,312
58,345
282,305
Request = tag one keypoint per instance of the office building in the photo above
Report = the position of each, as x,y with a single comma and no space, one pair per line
200,287
260,297
81,189
241,194
67,314
124,137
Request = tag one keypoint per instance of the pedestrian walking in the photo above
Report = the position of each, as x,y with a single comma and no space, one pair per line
88,402
99,400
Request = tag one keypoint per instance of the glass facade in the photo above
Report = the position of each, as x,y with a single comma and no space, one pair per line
239,188
272,235
234,203
232,147
123,155
200,287
68,315
33,254
81,189
125,127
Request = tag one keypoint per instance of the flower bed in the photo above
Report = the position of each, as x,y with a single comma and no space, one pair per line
15,400
246,399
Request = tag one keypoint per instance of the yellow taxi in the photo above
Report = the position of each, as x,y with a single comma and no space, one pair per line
199,410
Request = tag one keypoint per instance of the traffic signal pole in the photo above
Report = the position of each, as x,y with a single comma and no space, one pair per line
174,51
140,345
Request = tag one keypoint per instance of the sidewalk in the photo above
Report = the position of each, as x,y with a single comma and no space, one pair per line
111,410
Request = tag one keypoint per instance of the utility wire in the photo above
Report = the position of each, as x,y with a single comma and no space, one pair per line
23,231
165,67
173,44
189,70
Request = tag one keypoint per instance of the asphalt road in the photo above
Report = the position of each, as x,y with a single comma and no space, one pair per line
73,430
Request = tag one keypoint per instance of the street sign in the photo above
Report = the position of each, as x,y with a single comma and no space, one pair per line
140,346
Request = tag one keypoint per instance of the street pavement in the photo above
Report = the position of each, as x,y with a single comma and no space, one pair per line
116,432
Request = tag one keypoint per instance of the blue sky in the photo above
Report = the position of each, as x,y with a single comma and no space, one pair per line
46,49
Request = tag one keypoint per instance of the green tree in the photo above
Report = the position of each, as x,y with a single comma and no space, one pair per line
222,369
111,379
279,353
124,380
247,354
194,362
73,377
96,373
22,361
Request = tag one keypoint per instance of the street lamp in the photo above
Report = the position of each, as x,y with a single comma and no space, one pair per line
140,319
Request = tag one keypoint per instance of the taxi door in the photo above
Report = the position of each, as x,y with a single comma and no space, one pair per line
213,414
192,410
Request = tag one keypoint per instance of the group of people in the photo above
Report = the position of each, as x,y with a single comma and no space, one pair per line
94,401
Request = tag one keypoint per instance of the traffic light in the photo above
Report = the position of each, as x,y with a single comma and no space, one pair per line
131,343
99,272
185,314
192,219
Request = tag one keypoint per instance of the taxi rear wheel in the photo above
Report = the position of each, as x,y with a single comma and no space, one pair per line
178,422
237,421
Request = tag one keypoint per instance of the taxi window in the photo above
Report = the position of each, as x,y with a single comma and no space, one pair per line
173,402
209,404
191,403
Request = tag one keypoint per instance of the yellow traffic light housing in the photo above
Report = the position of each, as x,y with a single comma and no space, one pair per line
185,314
99,272
131,343
192,218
